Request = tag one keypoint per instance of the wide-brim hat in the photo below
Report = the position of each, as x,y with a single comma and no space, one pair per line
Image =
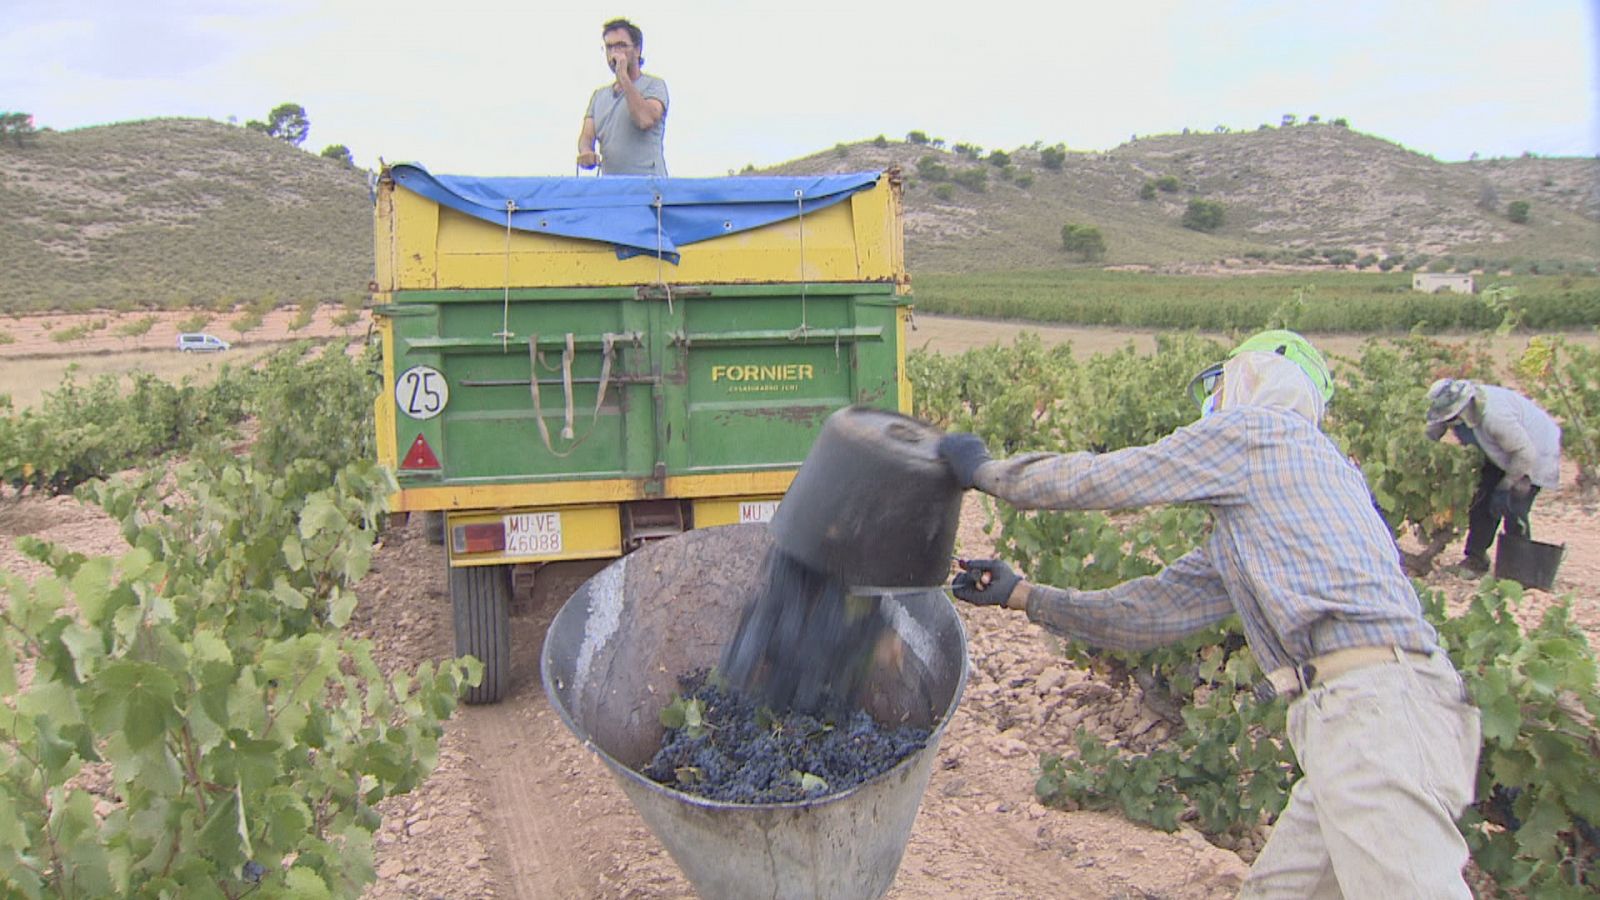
1447,397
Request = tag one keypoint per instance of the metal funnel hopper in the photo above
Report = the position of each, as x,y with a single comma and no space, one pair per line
611,662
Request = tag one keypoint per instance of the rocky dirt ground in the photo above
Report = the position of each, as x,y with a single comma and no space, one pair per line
517,808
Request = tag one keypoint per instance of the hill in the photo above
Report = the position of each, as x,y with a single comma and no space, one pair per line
174,212
1285,192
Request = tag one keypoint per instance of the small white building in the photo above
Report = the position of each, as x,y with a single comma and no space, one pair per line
1434,282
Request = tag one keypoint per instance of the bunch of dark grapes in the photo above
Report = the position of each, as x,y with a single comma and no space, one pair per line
745,754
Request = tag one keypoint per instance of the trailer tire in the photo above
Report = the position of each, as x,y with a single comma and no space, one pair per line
481,597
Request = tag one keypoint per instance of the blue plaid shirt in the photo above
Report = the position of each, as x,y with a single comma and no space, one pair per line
1296,547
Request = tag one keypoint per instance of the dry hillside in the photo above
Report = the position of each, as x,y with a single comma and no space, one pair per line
174,212
1309,186
171,212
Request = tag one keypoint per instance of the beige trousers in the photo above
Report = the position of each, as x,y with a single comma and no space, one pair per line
1390,755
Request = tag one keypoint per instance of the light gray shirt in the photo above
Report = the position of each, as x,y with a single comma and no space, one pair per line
1519,437
624,149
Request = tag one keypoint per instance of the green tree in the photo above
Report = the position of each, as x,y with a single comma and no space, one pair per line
880,141
1517,211
1147,191
339,152
999,159
1052,157
916,137
18,126
1169,184
1203,215
286,122
1084,240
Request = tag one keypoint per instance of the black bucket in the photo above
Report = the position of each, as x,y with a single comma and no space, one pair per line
873,504
1528,562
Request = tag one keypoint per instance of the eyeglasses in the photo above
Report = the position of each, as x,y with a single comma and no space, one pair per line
619,45
1205,384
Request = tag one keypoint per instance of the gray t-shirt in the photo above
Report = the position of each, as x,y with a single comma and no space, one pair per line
624,149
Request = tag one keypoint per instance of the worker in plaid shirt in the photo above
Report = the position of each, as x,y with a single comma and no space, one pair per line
1378,717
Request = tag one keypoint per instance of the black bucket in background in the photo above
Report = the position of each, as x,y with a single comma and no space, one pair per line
1530,563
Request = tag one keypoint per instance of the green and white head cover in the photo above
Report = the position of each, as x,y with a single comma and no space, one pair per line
1273,368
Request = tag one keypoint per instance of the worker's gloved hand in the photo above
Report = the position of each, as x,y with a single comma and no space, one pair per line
963,453
984,582
1500,503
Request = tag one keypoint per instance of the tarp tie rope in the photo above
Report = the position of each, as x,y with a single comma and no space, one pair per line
800,221
504,334
661,278
566,386
607,352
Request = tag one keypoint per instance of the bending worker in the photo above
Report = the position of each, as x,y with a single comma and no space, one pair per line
628,116
1521,447
1378,716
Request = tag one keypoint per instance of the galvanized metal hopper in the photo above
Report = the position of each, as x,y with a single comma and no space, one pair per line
611,661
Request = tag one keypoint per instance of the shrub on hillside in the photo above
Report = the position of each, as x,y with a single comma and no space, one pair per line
1148,190
1517,211
999,159
971,179
1203,215
932,168
339,153
1168,184
916,137
1084,240
1052,157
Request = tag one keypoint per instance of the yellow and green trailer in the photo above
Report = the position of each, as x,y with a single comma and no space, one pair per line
575,366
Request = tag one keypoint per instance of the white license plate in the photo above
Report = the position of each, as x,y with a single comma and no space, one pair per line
533,533
757,511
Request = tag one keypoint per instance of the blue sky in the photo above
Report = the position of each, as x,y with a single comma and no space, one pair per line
486,88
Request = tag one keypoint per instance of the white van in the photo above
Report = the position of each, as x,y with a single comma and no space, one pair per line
201,343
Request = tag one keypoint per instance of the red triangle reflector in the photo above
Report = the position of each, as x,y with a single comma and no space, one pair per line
420,456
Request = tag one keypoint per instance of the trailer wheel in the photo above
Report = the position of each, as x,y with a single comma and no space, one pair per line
481,596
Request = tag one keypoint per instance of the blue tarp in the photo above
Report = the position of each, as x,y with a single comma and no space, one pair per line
623,210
